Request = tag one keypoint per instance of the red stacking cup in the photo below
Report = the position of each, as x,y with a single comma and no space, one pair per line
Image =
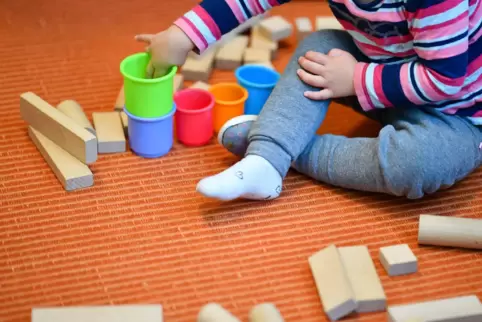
194,116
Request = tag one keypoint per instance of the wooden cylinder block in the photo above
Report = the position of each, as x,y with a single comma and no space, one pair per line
450,231
213,312
73,110
265,312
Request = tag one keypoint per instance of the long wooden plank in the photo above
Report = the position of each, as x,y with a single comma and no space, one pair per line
454,309
58,127
114,313
363,277
333,286
71,173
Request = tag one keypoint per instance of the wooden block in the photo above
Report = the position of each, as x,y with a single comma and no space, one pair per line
114,313
230,56
120,101
73,110
198,69
256,55
303,27
362,275
398,260
125,123
110,132
454,309
213,312
276,28
178,82
265,312
450,231
71,173
333,286
258,40
58,127
327,23
201,85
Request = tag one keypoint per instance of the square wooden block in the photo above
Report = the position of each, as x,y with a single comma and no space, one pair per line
398,260
256,55
303,27
276,28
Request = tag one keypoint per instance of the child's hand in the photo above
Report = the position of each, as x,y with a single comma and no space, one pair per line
333,73
167,48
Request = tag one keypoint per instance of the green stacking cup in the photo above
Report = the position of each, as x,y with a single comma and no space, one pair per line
144,97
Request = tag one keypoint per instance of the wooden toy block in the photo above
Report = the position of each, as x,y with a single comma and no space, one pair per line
110,132
256,55
450,231
230,56
201,85
362,275
455,309
114,313
303,27
125,123
276,28
120,101
71,173
178,82
198,69
327,23
73,110
333,286
265,312
58,127
398,260
213,312
258,40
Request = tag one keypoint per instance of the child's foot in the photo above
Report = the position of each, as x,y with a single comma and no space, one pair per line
251,178
233,136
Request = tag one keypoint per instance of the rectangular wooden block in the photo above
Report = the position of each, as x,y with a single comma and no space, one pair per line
455,309
276,28
303,27
363,277
178,82
333,286
327,23
58,127
258,40
110,132
198,69
201,85
120,101
398,260
71,173
114,313
125,123
230,55
256,55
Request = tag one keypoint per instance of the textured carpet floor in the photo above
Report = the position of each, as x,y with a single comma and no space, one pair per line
142,234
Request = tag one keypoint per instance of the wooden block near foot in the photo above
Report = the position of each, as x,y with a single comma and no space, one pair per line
58,127
110,132
398,260
276,28
73,110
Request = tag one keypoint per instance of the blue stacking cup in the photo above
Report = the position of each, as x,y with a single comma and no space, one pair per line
259,81
151,137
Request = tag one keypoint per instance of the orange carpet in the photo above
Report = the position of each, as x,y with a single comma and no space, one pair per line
142,234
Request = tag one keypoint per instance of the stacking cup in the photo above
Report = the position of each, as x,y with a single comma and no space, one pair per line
229,100
146,98
151,137
259,81
194,116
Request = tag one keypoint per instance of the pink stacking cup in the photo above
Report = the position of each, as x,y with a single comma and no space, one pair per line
194,116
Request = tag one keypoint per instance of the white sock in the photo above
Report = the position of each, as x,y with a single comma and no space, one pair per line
251,178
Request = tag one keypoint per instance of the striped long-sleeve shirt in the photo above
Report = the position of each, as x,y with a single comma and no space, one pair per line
422,52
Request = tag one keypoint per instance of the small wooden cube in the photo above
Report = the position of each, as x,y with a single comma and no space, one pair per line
328,23
258,40
303,27
398,260
276,28
256,55
230,55
198,69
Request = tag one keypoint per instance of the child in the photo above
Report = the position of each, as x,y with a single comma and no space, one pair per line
415,66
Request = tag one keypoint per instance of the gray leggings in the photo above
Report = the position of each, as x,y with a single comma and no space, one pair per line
417,152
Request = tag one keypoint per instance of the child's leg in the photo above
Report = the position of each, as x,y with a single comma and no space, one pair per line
284,127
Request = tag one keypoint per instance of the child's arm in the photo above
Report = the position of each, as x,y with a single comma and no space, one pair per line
440,32
211,19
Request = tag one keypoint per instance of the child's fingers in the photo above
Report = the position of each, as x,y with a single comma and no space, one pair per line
144,37
311,66
322,95
317,57
159,72
149,70
313,80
